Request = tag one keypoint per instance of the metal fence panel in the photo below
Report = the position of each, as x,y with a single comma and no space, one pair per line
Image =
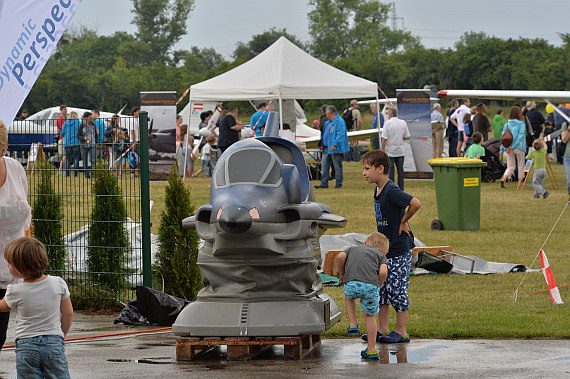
73,169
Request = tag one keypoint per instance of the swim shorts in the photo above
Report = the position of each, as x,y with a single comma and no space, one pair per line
395,288
366,292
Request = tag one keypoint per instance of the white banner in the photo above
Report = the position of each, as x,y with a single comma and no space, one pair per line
30,31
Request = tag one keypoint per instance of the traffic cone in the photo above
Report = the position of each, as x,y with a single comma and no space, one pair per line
552,287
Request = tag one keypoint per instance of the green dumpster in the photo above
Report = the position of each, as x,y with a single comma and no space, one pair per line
458,193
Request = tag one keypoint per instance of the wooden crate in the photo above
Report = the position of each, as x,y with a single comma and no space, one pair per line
242,348
434,250
329,267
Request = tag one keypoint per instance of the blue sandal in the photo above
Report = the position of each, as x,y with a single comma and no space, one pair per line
364,337
394,337
365,354
353,331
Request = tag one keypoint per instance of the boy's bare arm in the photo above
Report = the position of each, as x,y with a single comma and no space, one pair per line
66,315
383,273
413,207
4,306
340,260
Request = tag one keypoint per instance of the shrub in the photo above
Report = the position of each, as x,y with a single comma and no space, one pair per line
108,240
47,212
178,247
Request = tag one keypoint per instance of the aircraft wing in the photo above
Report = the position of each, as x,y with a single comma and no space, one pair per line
553,96
359,135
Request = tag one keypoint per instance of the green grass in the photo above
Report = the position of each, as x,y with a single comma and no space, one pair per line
513,228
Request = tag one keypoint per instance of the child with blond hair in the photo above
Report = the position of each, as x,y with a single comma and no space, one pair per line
363,270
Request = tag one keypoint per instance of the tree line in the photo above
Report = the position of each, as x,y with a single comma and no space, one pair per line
89,70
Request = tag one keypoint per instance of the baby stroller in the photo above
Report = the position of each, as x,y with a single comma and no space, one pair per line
495,168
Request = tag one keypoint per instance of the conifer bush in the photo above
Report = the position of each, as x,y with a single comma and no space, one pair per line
178,247
47,211
109,246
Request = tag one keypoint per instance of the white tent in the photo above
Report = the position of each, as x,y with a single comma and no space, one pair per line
283,71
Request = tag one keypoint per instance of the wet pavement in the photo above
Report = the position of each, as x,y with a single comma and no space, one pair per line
153,356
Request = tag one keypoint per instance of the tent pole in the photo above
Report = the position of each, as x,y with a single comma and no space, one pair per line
280,112
186,139
378,118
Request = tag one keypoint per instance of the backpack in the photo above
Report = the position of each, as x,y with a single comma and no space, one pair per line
133,159
347,117
507,137
560,149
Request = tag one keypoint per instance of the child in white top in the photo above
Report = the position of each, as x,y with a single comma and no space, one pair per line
43,311
207,156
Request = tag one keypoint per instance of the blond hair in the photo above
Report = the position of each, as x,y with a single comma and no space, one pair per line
72,115
28,256
537,144
3,138
378,241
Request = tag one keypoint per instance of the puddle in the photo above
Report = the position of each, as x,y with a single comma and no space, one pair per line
566,358
390,354
152,361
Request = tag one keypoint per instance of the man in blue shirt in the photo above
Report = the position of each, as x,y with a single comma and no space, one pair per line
259,118
336,139
376,140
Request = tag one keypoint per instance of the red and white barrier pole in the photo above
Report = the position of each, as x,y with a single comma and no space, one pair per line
552,287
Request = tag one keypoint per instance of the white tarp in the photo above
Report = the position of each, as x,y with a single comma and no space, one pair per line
283,71
30,31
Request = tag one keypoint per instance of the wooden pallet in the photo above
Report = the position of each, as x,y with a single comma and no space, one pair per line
242,348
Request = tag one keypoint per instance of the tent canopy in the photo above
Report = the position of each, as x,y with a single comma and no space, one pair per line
283,71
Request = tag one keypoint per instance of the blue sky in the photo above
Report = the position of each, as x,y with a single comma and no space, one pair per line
439,23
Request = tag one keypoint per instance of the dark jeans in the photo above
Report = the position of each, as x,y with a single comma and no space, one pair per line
352,155
336,161
453,145
376,143
88,151
397,163
71,152
4,317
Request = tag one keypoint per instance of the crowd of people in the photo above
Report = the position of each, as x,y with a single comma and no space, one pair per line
521,135
89,138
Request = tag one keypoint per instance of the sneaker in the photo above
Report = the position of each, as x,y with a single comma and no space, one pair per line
321,186
394,337
365,354
546,194
536,196
353,331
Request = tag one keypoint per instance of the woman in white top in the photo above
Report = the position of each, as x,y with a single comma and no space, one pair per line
15,215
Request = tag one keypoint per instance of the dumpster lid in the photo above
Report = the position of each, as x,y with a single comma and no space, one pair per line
455,161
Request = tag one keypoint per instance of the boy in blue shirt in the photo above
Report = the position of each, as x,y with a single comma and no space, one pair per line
390,204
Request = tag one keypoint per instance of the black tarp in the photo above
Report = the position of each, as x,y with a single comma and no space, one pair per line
151,307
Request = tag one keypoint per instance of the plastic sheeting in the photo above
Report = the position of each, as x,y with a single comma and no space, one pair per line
151,307
460,266
76,247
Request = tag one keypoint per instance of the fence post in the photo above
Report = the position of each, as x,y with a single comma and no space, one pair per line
145,199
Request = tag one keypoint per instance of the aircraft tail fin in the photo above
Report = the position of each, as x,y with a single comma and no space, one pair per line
272,125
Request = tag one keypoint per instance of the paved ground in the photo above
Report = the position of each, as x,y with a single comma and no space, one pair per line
152,356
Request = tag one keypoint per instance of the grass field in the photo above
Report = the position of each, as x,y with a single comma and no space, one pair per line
513,228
